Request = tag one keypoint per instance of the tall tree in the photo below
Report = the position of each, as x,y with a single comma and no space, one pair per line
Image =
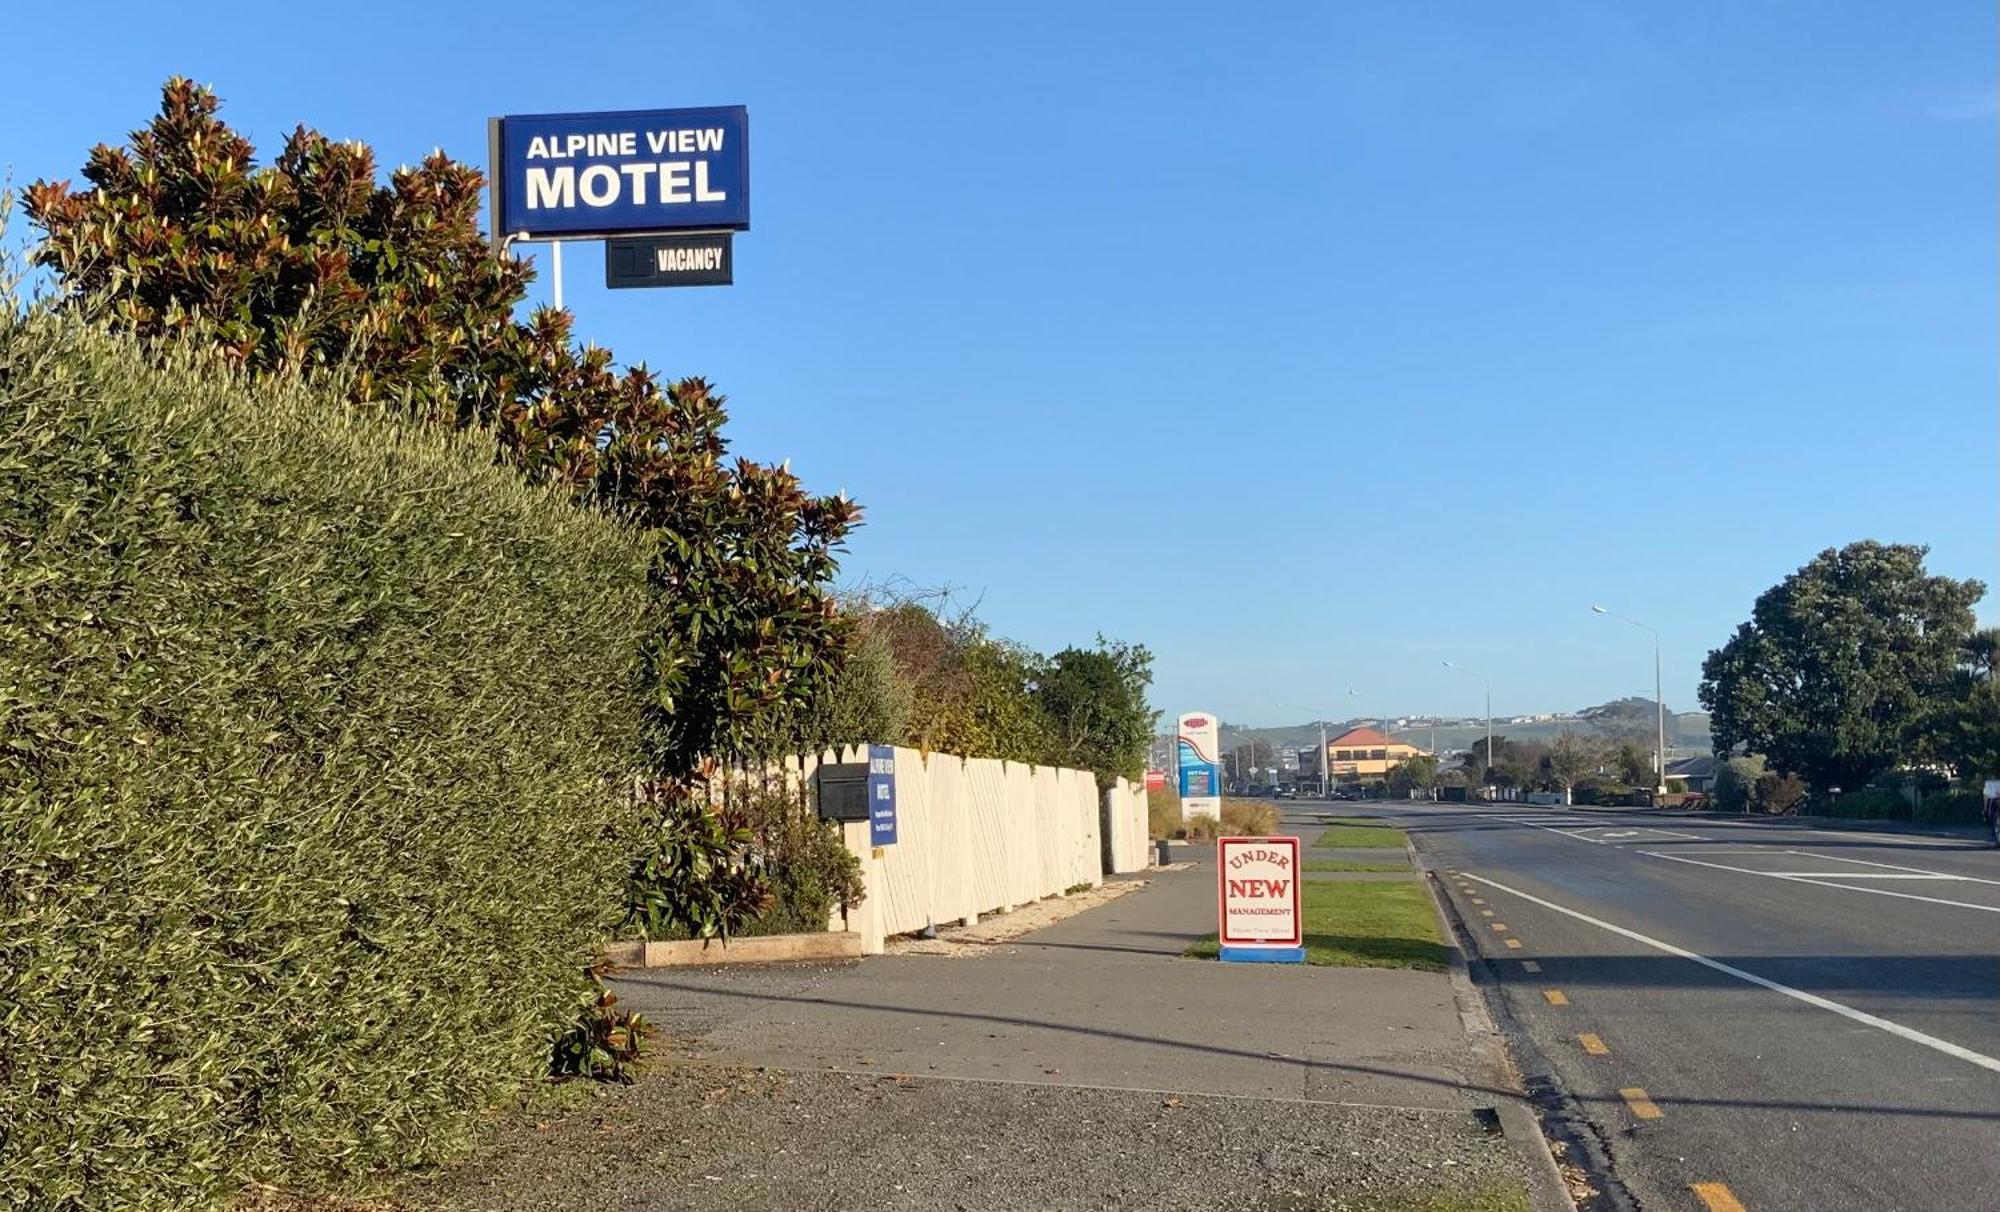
1095,702
1570,759
1629,719
308,264
1961,731
1838,660
1419,773
1634,763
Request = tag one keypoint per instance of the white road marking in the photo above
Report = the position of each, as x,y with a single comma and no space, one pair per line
1911,1034
1868,875
1874,838
1836,858
1816,881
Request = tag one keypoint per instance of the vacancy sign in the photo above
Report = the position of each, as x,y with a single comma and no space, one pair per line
1257,886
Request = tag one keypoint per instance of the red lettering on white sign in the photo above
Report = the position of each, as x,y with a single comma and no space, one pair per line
1258,893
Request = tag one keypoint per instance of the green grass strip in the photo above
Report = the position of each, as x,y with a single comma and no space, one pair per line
1347,865
1359,836
1374,924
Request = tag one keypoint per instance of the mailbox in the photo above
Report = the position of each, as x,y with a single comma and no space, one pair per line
842,791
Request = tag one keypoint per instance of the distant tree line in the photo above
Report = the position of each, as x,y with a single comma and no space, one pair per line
1581,764
921,673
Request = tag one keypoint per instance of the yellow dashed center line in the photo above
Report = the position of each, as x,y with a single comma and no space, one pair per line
1513,944
1499,927
1556,997
1486,913
1593,1045
1640,1103
1717,1197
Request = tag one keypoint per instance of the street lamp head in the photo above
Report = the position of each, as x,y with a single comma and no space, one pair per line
1449,665
1599,610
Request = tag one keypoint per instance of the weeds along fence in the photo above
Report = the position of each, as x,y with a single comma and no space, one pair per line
976,836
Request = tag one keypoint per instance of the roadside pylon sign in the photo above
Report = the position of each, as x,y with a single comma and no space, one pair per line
1259,900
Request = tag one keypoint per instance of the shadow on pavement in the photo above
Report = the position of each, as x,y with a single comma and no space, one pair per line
1213,1049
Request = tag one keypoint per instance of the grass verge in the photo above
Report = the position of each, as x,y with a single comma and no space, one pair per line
1349,865
1387,924
1353,834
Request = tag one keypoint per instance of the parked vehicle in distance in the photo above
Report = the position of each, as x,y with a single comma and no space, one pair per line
1286,793
1350,791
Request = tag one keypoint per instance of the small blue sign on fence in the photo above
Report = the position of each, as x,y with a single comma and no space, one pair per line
578,176
881,795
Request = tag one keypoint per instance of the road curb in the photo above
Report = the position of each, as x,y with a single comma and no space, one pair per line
1547,1192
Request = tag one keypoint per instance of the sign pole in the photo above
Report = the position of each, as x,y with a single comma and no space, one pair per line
556,245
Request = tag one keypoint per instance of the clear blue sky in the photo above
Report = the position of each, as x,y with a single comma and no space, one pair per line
1309,344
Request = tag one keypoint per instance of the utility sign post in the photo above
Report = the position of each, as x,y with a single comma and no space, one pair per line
1259,900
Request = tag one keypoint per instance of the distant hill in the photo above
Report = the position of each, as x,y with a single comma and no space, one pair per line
1686,731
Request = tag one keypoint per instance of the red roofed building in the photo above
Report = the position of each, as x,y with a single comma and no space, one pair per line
1367,753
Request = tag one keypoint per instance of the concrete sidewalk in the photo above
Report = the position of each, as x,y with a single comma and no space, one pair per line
1082,1066
1101,999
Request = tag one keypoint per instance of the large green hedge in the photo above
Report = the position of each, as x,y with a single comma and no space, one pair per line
311,724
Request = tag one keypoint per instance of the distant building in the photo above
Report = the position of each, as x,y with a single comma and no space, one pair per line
1366,753
1699,772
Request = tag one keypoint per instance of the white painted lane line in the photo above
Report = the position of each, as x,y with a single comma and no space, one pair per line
1572,834
1887,840
1818,882
1837,858
1871,875
1911,1034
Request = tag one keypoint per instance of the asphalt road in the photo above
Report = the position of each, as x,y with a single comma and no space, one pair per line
1785,1017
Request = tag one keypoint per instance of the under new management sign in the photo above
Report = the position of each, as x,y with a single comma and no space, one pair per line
585,176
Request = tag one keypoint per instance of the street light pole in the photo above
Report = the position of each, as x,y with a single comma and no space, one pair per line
1659,701
1489,713
1324,765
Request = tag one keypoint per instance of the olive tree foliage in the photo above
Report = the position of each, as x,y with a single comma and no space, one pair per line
393,296
1839,662
861,701
313,727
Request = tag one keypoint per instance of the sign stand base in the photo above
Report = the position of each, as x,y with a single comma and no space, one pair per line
1263,955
